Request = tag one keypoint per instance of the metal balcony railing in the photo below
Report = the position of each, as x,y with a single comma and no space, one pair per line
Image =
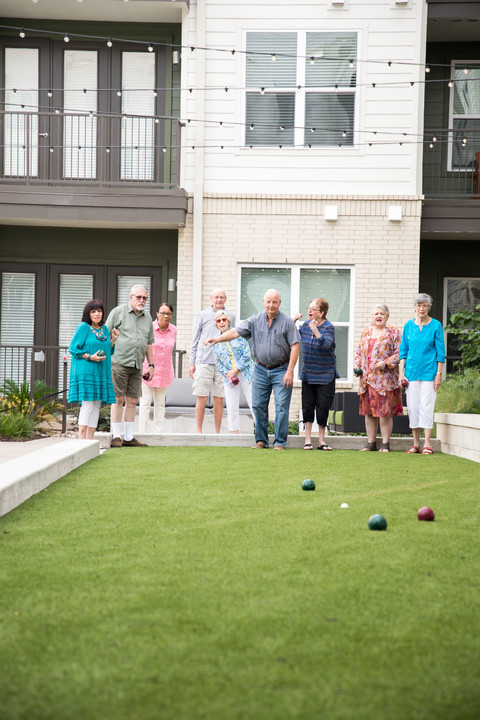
50,363
450,166
89,149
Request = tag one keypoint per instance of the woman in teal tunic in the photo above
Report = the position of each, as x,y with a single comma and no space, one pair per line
90,372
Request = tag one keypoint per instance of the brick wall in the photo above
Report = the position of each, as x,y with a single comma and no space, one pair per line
291,229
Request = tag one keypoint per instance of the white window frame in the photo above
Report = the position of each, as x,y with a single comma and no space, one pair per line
300,107
452,117
294,301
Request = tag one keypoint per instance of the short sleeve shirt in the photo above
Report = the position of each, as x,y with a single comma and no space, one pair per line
135,335
270,345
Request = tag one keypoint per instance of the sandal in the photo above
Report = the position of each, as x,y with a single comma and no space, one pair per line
427,451
324,447
370,446
308,446
385,447
414,450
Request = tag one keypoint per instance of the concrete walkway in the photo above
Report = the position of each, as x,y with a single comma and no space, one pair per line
26,468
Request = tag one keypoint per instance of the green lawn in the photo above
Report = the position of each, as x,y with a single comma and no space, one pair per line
203,583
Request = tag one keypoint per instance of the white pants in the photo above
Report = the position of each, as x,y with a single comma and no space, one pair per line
421,403
232,400
89,413
158,394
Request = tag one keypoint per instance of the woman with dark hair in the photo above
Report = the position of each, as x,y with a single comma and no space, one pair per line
165,335
91,384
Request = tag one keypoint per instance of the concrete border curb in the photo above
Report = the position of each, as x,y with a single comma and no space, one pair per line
28,475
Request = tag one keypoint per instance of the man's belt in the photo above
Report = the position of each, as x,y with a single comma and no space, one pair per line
271,367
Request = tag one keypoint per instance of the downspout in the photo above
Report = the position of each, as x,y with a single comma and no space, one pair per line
197,284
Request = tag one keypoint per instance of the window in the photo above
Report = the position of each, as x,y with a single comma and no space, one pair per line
138,133
297,286
459,294
16,325
300,88
80,124
21,128
74,293
464,115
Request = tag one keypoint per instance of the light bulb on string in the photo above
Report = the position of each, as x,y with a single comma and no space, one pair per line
427,69
150,47
274,57
262,91
450,83
109,43
155,94
22,33
66,38
312,60
119,93
49,93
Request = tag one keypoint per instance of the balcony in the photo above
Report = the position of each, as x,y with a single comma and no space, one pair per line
450,168
451,186
96,168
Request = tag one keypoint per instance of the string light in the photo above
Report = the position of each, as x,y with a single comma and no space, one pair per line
22,33
66,38
109,43
150,47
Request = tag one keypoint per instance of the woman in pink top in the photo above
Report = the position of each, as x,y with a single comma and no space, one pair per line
165,335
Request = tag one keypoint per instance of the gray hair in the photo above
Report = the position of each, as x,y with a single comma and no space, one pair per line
134,289
423,298
223,313
384,308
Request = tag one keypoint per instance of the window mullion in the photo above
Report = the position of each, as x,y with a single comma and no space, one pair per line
299,140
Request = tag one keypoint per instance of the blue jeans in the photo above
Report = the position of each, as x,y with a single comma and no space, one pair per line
263,382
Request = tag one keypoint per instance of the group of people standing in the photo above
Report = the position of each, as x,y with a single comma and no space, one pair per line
118,360
127,357
387,362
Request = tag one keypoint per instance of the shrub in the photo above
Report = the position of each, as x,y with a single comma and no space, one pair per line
460,393
466,326
292,428
15,425
16,397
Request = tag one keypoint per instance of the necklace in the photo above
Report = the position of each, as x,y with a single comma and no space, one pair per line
98,332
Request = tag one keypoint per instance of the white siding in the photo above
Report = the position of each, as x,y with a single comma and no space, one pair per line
386,32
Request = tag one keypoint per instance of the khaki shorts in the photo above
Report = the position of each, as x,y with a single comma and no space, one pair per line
202,381
127,381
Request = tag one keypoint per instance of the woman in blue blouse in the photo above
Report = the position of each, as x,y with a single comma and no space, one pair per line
318,370
90,372
235,364
422,354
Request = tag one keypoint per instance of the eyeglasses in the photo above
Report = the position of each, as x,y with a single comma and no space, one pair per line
311,307
141,297
222,320
169,314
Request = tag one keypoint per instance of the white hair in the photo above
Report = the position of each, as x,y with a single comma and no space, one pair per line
384,308
423,298
134,289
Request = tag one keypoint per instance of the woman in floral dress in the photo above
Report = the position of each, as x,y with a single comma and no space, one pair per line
380,392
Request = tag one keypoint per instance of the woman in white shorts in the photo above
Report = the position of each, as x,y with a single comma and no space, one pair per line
422,354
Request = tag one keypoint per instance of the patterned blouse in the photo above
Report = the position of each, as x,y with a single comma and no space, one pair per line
386,348
240,351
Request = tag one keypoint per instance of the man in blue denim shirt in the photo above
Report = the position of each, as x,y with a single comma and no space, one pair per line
275,347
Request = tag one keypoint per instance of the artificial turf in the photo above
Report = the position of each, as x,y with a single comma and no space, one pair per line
203,583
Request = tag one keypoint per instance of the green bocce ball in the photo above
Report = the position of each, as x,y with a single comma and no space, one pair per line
377,522
101,353
308,485
358,371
